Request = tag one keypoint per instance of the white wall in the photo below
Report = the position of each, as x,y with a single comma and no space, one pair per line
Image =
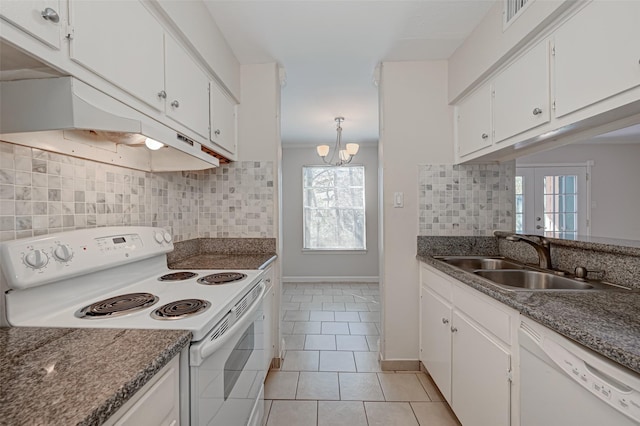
416,128
615,189
331,266
488,45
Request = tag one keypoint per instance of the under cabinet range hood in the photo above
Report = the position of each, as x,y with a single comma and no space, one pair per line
67,116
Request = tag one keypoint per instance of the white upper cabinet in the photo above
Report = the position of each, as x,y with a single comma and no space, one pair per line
596,54
122,42
223,119
521,94
474,121
186,88
40,18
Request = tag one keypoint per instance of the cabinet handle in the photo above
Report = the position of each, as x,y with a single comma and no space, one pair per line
268,280
539,226
162,94
50,15
485,136
175,104
453,329
537,111
217,132
445,321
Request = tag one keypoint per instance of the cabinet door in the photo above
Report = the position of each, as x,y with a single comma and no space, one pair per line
474,121
268,324
28,15
596,54
122,42
223,119
521,94
435,339
481,390
187,89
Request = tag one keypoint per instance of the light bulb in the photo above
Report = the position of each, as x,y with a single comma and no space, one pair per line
323,150
153,144
352,148
344,155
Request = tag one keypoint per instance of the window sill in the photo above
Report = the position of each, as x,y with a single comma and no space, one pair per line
334,251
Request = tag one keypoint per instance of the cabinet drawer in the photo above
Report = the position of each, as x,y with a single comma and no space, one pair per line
494,320
436,283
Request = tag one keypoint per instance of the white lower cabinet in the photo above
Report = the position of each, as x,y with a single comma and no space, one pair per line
465,345
156,404
268,302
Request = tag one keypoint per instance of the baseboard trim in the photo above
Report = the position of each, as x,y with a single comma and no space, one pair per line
399,365
333,279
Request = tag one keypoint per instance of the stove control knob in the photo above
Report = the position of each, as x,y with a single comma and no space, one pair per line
36,259
167,237
63,253
158,237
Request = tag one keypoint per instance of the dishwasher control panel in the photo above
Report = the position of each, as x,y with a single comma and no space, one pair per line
611,390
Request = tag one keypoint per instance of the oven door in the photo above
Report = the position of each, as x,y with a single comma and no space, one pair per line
227,373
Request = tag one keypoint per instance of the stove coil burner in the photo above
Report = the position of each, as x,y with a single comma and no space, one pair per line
178,276
118,305
221,278
180,309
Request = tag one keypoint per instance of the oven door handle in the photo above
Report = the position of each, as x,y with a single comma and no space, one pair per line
200,352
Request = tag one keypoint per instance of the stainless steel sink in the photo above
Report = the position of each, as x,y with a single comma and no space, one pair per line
533,280
472,263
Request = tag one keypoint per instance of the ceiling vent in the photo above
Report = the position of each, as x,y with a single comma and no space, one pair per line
513,8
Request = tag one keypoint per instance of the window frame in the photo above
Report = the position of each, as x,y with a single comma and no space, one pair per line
337,250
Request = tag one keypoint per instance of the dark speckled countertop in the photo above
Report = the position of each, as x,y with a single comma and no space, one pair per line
224,261
56,376
606,321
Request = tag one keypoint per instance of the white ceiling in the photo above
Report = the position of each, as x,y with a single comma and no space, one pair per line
329,50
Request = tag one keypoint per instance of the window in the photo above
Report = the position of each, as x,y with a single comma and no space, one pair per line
333,208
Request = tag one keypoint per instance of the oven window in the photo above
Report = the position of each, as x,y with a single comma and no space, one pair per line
237,360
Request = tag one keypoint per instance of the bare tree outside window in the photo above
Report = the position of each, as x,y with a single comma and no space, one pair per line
334,208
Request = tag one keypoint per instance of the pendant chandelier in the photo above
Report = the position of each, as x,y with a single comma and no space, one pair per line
345,155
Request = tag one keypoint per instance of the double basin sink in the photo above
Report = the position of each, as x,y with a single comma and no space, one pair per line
514,276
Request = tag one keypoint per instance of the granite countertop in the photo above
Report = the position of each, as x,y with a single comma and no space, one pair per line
606,321
62,376
225,261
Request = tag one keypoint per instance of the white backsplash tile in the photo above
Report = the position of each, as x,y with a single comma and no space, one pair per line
43,192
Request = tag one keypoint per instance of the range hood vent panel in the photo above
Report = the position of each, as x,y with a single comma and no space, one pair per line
66,103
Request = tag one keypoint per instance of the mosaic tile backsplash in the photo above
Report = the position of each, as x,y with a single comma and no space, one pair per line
466,200
43,192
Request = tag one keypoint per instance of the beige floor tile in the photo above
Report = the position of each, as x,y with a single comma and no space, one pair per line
360,387
293,413
359,306
267,408
296,316
286,327
337,361
290,306
314,291
374,343
388,413
301,298
281,385
333,306
318,386
363,328
311,306
320,342
345,299
307,327
367,361
347,316
370,317
434,414
335,327
294,341
430,387
321,316
301,361
351,343
323,298
340,413
402,387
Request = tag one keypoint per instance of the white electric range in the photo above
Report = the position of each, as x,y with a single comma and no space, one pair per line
117,277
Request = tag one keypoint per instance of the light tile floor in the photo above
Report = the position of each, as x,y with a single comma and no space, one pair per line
331,375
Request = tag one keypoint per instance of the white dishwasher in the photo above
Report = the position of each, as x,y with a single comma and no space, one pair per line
565,384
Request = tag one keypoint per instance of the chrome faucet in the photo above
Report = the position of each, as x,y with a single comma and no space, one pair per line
542,246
